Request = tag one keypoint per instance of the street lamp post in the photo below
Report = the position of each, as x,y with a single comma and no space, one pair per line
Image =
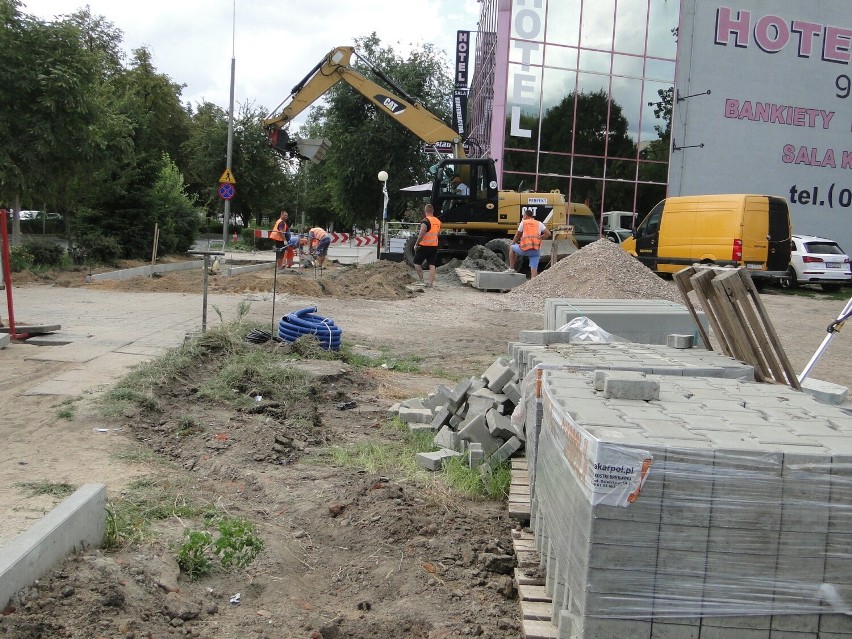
383,178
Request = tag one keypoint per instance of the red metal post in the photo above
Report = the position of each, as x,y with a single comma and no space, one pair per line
7,274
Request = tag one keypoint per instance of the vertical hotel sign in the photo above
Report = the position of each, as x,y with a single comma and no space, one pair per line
460,94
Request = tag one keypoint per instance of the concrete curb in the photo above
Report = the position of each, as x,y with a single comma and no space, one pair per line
145,271
78,522
5,339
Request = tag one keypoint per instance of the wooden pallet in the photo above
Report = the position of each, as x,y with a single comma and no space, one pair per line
536,604
739,320
519,491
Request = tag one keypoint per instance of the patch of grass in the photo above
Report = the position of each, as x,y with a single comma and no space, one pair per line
144,501
66,408
139,455
444,374
399,455
54,489
236,546
187,426
253,372
813,292
469,481
360,361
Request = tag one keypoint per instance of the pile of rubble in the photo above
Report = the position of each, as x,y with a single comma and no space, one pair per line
473,419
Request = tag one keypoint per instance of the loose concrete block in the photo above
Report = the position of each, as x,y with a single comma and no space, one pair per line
441,418
414,402
499,425
415,415
435,460
476,430
680,341
505,451
455,421
76,523
458,394
434,401
479,405
4,340
393,411
628,385
447,438
498,375
476,383
825,392
512,390
495,281
475,455
537,337
420,428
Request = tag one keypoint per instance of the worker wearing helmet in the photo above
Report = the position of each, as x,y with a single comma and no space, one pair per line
527,242
318,241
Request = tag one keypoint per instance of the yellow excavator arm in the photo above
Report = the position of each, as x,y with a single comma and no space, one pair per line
333,68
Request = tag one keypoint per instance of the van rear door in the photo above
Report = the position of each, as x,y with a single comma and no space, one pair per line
779,235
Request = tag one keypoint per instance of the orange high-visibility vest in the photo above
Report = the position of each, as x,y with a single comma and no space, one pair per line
315,235
430,237
530,236
277,233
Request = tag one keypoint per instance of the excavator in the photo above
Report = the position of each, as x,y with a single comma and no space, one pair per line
478,213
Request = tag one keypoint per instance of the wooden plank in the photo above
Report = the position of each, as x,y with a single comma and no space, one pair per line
519,463
705,293
536,610
521,490
528,559
773,336
681,278
529,592
735,289
540,630
531,578
523,544
520,476
519,511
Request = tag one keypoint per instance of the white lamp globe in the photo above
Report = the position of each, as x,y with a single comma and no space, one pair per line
383,176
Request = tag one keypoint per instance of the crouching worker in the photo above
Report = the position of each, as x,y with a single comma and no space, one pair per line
527,242
318,241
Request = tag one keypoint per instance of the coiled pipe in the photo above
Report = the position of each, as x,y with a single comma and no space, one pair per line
303,322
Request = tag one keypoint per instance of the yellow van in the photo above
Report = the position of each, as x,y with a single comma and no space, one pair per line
752,231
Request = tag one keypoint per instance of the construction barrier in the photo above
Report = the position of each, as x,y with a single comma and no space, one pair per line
337,238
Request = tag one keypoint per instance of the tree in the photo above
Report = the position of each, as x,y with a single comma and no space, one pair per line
365,141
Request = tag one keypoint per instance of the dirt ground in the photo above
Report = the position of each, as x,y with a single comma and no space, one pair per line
348,554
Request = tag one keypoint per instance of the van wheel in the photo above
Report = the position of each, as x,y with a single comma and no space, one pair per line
830,288
789,280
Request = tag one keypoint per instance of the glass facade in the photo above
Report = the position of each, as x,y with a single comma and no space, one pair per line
576,95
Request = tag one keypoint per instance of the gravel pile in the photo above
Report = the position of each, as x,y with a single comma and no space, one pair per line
601,270
480,258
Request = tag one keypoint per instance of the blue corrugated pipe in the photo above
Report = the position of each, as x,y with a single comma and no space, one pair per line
304,322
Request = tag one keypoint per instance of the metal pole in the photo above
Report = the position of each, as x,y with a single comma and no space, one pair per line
274,292
204,297
819,352
7,274
226,216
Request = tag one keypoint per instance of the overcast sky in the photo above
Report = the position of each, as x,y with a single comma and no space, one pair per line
275,42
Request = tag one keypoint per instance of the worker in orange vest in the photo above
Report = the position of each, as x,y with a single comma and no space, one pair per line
318,241
527,242
280,234
426,247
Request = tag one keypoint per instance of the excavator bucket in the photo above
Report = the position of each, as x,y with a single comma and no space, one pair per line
306,149
313,149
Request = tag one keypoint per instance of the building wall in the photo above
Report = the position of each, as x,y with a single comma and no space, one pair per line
585,85
767,107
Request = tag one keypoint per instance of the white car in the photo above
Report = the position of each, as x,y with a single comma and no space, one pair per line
817,260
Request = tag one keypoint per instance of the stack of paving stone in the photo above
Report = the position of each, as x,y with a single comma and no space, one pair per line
473,419
694,504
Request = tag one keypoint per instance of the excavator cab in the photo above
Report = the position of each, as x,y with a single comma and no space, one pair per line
465,191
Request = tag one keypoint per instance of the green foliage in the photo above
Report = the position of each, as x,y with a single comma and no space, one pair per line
94,248
192,555
237,545
471,482
20,258
45,253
